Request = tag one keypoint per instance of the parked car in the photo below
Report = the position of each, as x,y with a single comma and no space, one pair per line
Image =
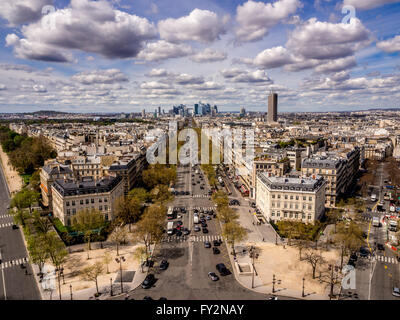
178,233
207,244
196,228
380,247
186,231
164,265
179,223
208,218
147,298
222,269
148,281
213,276
364,252
216,250
203,224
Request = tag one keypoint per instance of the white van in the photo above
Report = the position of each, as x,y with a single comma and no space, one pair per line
196,219
170,227
376,222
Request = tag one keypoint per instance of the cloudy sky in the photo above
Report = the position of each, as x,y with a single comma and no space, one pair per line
129,55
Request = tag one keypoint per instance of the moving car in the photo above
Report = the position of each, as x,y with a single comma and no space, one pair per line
215,250
213,276
14,226
207,244
216,243
186,231
396,292
196,228
148,281
204,230
164,265
222,269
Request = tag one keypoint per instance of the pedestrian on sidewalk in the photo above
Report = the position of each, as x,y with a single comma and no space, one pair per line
263,239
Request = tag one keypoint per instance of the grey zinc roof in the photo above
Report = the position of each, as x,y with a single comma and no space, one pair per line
291,183
87,185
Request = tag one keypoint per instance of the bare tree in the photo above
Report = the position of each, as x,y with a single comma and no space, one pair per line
118,236
330,274
314,258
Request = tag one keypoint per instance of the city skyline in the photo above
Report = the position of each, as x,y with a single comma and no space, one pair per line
125,57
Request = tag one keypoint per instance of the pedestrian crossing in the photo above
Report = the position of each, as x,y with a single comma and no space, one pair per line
5,216
13,263
200,196
203,208
193,238
4,225
386,259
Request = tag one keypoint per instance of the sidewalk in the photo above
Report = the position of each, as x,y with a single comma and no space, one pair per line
280,290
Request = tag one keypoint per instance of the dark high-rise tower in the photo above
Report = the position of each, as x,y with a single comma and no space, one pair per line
272,107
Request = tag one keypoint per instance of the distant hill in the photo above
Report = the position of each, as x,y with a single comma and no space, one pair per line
47,113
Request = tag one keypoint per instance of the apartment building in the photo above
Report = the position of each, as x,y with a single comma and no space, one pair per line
71,196
48,174
130,168
339,169
275,166
296,199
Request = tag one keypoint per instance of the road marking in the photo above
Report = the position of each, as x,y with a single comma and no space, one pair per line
4,225
369,230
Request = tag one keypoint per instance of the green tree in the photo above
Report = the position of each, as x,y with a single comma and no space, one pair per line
20,216
161,194
37,250
140,255
349,237
334,216
25,199
107,259
57,253
141,194
233,233
92,273
226,214
127,210
150,227
87,221
42,224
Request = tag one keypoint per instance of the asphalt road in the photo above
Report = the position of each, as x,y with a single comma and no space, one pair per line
189,261
376,277
14,283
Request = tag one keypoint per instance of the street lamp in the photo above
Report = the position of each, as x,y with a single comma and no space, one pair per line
302,294
120,260
111,293
252,254
273,283
70,290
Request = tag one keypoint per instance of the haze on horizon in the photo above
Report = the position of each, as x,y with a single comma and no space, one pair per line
125,56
